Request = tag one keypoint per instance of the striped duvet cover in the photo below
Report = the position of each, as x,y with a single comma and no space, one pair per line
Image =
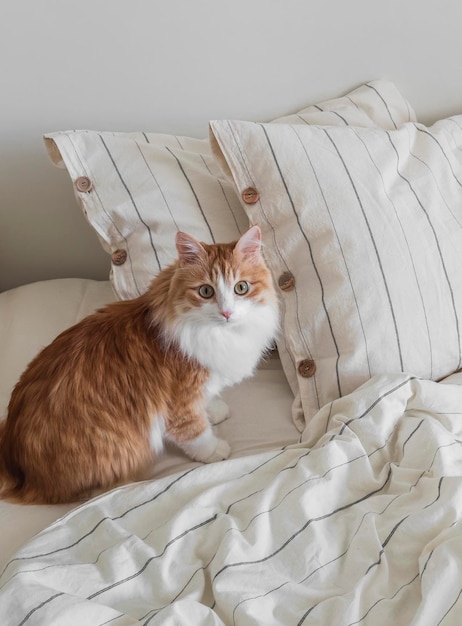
360,523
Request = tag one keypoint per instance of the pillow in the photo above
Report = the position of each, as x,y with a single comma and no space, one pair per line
138,189
363,233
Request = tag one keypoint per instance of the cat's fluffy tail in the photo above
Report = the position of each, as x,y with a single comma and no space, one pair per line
9,484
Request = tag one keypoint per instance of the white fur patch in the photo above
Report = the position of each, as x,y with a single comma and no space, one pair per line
229,349
157,434
206,448
225,298
217,411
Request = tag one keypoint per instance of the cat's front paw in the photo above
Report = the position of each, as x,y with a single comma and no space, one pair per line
206,448
217,411
222,452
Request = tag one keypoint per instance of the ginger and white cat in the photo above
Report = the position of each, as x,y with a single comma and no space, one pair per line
93,408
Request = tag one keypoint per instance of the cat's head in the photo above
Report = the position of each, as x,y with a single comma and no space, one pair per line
219,305
221,283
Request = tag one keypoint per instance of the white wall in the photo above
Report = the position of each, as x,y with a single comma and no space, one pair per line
170,66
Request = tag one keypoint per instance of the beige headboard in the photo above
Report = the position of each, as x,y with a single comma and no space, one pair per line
170,66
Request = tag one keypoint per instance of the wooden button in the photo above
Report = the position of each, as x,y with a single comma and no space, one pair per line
119,257
307,368
286,281
83,183
250,195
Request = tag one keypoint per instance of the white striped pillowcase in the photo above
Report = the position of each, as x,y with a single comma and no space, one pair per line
369,223
147,186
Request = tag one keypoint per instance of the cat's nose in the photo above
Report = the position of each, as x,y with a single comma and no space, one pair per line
226,314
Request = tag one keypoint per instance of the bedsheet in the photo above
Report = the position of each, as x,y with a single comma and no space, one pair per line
360,523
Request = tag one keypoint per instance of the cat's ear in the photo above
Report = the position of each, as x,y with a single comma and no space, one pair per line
189,249
249,245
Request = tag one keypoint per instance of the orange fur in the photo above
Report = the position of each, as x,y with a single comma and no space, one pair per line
80,416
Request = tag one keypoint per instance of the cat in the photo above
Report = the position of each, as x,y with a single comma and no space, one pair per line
94,407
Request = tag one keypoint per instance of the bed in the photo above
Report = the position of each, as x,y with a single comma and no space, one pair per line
341,502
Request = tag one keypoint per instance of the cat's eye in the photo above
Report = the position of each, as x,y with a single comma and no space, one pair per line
206,291
241,287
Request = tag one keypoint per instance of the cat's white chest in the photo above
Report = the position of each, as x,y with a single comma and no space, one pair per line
230,358
231,350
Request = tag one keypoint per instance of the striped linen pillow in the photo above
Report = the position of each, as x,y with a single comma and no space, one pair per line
363,232
138,189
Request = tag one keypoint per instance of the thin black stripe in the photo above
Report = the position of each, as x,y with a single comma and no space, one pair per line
55,566
455,121
408,248
355,103
383,100
426,563
218,181
374,404
450,608
329,415
153,558
262,489
432,228
113,619
384,544
290,491
175,598
346,269
165,201
447,445
371,235
316,106
398,524
411,435
440,482
39,606
443,152
435,180
101,521
408,584
304,527
193,191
